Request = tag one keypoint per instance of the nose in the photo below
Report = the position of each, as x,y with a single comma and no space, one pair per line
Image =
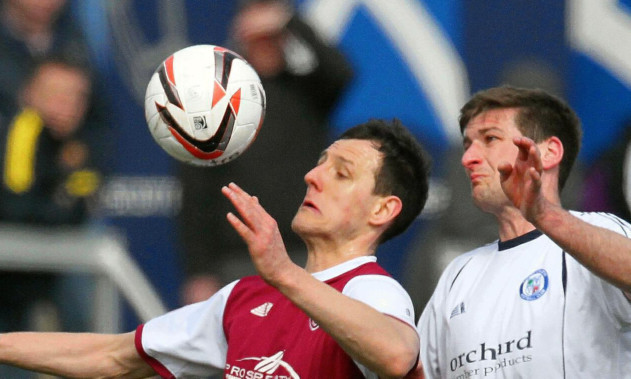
471,156
312,177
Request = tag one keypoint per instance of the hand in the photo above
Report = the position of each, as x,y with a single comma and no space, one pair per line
260,232
521,181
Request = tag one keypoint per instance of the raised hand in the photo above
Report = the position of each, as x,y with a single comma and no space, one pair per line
260,232
521,181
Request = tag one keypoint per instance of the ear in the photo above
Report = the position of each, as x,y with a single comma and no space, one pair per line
551,152
385,210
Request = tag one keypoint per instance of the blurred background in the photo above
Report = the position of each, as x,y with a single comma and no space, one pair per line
416,60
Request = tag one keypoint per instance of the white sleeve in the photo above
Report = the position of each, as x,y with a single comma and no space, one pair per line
384,294
190,341
619,305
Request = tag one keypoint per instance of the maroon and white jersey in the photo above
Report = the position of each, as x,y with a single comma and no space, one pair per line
250,330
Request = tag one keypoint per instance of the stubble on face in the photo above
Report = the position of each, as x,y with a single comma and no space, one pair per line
488,142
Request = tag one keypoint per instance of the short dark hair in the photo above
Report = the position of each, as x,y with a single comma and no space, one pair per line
540,116
404,170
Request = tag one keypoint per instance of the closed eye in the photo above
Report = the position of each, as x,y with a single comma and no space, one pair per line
342,175
490,138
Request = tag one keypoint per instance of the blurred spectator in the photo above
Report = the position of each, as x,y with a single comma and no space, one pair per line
31,30
48,160
303,78
50,174
52,130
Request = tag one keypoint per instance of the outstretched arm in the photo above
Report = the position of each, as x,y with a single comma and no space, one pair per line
74,355
604,252
383,344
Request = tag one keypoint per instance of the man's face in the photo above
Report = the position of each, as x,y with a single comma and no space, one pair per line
60,95
487,142
340,195
38,14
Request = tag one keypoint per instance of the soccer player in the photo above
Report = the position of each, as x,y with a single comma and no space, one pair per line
341,316
550,298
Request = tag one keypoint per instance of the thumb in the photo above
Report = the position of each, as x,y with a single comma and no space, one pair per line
505,169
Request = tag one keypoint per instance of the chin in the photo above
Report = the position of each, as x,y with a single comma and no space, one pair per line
296,224
302,226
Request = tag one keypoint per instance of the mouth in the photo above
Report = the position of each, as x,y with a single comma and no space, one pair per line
309,204
475,178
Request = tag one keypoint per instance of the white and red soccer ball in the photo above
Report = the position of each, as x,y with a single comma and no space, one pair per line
204,105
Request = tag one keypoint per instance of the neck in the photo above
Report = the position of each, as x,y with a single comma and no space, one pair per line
323,254
512,227
512,222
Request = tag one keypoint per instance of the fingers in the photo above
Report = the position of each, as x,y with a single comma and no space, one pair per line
242,229
505,169
528,151
247,207
526,147
241,200
257,229
523,145
535,176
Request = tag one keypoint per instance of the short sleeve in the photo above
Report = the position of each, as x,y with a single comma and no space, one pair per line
189,341
382,293
618,303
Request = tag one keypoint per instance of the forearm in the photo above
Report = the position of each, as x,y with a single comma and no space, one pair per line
602,251
385,345
74,355
332,72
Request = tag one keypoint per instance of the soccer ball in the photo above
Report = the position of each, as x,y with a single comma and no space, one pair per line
204,105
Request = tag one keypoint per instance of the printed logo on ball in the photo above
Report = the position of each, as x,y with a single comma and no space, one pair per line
199,122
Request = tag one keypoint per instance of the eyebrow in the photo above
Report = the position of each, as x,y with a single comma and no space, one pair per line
466,139
484,131
340,158
322,155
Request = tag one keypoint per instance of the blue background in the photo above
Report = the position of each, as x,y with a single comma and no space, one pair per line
494,39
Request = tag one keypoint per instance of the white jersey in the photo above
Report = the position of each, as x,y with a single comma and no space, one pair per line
526,309
191,341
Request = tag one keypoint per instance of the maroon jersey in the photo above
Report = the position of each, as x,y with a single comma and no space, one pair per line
270,338
250,330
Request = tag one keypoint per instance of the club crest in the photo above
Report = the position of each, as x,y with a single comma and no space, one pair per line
534,286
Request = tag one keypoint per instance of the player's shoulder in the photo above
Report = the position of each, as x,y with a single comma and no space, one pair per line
605,220
458,264
480,252
248,283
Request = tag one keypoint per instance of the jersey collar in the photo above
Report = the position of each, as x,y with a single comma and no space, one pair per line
343,267
505,245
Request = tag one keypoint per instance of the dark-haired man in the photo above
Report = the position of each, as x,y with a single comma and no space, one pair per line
341,316
550,298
